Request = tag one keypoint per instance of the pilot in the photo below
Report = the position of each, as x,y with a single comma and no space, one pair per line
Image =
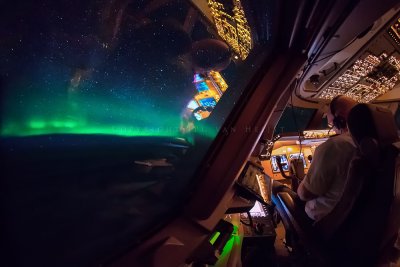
324,183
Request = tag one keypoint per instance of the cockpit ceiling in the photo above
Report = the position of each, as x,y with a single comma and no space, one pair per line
363,74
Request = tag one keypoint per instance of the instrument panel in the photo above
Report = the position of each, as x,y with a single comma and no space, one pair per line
288,150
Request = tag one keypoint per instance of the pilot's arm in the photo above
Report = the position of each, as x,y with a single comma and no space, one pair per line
321,173
304,193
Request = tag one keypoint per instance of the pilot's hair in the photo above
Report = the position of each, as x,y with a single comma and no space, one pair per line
340,107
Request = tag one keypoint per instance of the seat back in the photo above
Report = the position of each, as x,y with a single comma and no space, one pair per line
390,237
361,222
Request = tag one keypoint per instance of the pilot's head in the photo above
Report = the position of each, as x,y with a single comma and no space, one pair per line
338,112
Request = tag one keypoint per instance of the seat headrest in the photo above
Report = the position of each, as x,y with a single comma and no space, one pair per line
372,122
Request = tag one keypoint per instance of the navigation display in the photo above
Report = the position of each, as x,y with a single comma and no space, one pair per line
284,161
208,102
249,178
202,86
296,156
256,182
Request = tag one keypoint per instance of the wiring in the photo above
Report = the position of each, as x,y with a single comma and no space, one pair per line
311,62
294,116
335,52
330,129
250,220
245,223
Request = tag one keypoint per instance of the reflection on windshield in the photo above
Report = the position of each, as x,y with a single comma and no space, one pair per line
108,108
210,86
233,28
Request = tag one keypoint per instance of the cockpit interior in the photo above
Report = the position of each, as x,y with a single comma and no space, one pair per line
171,133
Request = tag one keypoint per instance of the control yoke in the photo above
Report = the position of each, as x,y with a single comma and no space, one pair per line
296,171
280,167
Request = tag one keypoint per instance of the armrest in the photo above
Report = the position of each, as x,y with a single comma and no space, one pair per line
294,208
303,226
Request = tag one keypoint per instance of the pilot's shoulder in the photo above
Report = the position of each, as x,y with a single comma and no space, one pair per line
338,141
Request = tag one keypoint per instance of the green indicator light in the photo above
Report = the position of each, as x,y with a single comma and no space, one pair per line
214,237
233,241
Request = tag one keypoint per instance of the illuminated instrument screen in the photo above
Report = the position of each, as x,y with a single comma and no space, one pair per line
208,102
202,86
254,179
284,161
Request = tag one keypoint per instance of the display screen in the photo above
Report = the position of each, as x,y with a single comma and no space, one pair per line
208,102
192,105
256,182
249,178
284,161
296,156
202,86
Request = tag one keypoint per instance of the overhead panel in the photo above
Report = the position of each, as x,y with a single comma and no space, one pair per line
367,74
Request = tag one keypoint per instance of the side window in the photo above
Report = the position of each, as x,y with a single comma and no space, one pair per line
324,124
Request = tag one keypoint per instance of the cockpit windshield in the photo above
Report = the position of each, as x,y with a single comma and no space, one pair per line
108,109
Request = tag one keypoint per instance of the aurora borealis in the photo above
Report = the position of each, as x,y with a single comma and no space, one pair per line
89,115
74,113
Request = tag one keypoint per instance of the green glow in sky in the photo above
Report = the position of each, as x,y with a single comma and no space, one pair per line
70,127
41,127
80,114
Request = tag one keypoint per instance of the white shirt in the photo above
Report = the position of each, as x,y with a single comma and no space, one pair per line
327,174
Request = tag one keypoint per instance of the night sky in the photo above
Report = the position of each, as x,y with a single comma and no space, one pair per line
72,67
